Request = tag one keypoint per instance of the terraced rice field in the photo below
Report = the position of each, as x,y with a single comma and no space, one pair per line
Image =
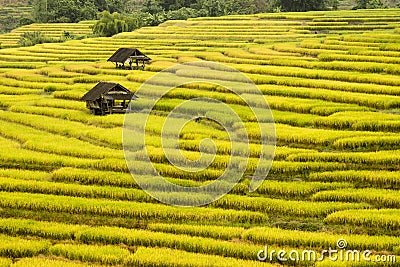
55,31
10,14
14,10
332,81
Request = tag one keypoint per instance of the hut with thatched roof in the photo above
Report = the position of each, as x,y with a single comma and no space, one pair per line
129,58
108,98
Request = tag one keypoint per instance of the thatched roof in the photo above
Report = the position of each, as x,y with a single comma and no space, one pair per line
109,90
123,54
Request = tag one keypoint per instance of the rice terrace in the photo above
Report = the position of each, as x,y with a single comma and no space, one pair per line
331,79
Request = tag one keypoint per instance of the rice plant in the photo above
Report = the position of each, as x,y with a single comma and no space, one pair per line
172,257
40,202
383,218
110,255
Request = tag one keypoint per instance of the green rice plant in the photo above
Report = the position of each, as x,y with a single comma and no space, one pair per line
387,126
285,168
216,232
110,255
161,257
70,56
294,49
14,247
215,109
25,174
13,91
390,47
8,144
293,189
380,179
51,188
162,65
19,65
387,159
357,56
53,55
60,103
268,51
362,43
13,157
69,95
318,240
268,57
376,101
41,261
30,76
375,197
200,36
23,59
117,120
126,236
374,53
315,44
190,94
309,84
56,72
93,79
27,84
131,237
282,152
322,137
191,130
382,37
372,67
284,207
193,174
224,148
111,137
7,101
92,69
93,177
66,114
47,230
5,262
299,105
45,142
143,211
158,155
367,143
347,28
364,121
383,218
107,178
256,74
332,62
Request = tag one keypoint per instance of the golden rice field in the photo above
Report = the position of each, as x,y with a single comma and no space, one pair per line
332,81
54,31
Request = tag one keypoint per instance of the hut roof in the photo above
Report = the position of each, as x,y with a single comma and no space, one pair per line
123,54
109,90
